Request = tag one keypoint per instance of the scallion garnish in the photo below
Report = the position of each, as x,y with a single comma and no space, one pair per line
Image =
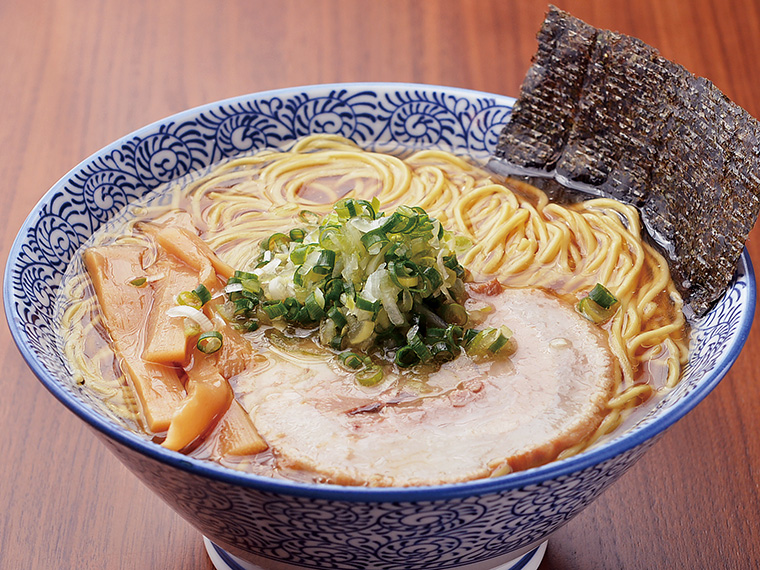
487,341
442,351
274,309
454,314
602,296
276,241
370,376
374,241
189,298
315,305
599,305
297,234
308,217
406,357
351,360
366,305
210,342
365,278
203,293
325,263
336,316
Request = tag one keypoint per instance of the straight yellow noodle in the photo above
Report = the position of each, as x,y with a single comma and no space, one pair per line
651,337
642,391
618,347
674,368
521,262
514,265
442,157
607,271
517,235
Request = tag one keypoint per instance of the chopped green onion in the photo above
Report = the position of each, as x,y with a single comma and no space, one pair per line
374,241
297,234
602,296
404,273
139,282
330,237
242,275
189,298
422,351
349,290
504,334
593,311
350,208
365,305
599,305
370,376
351,360
346,208
292,308
406,357
435,334
325,263
452,263
299,253
308,217
315,304
243,305
469,335
337,342
454,313
362,276
274,309
210,342
489,340
397,250
453,335
432,276
276,241
442,351
337,317
402,221
203,294
370,208
299,276
333,290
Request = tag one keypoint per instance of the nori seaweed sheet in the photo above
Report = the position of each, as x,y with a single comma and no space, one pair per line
606,112
543,116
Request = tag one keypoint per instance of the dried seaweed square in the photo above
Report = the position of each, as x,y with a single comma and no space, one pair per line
605,113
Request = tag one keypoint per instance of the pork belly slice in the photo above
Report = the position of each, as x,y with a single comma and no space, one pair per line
468,420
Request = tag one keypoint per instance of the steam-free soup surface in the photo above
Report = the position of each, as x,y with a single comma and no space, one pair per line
566,382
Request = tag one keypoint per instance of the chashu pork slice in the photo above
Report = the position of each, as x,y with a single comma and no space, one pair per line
466,421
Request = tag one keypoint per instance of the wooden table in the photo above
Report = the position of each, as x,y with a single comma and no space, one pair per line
76,75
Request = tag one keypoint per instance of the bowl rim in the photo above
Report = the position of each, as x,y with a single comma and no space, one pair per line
559,468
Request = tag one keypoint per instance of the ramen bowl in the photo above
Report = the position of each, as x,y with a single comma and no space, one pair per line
250,521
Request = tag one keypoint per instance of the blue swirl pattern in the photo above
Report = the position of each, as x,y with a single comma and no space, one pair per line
250,520
345,535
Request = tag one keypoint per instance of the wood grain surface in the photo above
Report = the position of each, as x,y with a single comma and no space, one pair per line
76,75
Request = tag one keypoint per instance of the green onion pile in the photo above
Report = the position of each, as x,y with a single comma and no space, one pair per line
367,283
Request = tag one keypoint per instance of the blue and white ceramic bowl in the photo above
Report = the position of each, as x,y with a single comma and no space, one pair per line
280,524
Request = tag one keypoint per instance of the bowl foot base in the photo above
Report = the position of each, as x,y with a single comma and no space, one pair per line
223,560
